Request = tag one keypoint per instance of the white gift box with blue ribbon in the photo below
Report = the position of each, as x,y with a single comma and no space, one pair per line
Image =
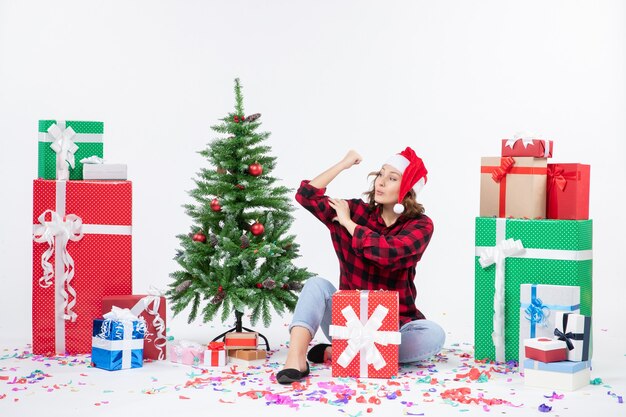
117,341
538,306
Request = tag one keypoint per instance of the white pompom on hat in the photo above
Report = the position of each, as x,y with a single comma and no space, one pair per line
413,173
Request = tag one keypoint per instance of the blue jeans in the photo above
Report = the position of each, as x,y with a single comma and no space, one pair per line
420,339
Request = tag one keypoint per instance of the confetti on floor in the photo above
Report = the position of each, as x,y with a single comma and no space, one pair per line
451,380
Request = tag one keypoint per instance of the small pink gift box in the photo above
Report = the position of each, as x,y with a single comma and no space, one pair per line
186,352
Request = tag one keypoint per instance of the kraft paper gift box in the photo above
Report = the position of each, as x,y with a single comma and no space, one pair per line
241,340
575,330
365,336
537,148
513,187
117,341
186,352
72,140
539,305
568,191
215,355
511,252
104,171
545,350
556,376
248,354
82,252
150,308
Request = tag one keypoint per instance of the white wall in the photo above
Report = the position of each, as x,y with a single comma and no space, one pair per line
449,78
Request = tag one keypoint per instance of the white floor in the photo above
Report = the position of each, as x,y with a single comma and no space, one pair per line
32,386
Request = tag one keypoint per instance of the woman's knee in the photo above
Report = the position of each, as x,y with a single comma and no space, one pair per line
320,284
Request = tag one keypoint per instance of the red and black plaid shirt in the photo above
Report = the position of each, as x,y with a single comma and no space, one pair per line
376,257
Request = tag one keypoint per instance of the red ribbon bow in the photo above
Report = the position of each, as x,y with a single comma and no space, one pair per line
505,167
216,346
555,176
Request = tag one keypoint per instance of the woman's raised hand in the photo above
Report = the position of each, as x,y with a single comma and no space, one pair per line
351,158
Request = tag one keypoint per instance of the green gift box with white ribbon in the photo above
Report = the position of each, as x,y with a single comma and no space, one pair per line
511,252
62,145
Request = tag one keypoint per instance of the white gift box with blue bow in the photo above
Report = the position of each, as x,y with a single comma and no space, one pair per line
117,341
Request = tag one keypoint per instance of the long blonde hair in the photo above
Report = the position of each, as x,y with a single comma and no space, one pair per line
412,208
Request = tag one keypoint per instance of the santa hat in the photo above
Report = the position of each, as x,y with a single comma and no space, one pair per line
413,173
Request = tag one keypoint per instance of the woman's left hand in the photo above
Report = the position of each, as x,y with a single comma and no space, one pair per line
342,209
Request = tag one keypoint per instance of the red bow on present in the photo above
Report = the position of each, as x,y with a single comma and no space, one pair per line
555,176
216,346
505,167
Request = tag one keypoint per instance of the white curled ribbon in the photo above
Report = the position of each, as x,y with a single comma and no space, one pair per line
363,337
497,255
154,300
524,137
57,232
63,145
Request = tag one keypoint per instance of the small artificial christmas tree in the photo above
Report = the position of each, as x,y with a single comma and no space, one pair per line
238,255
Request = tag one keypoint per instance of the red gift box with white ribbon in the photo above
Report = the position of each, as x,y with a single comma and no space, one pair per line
524,146
82,252
151,308
365,334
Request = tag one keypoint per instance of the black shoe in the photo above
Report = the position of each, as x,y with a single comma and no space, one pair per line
316,354
290,375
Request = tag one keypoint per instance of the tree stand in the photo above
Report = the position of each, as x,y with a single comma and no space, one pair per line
238,328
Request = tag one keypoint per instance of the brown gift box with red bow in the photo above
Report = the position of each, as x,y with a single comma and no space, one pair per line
513,187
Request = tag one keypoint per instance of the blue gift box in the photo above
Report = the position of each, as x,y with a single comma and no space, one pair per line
566,367
117,344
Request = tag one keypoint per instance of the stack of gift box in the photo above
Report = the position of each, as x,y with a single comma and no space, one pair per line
82,262
239,345
534,229
560,362
82,254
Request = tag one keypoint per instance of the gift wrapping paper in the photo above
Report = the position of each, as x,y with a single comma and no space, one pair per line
365,336
565,375
568,191
82,252
537,148
84,138
241,340
117,344
186,352
513,187
511,252
539,305
150,308
576,328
